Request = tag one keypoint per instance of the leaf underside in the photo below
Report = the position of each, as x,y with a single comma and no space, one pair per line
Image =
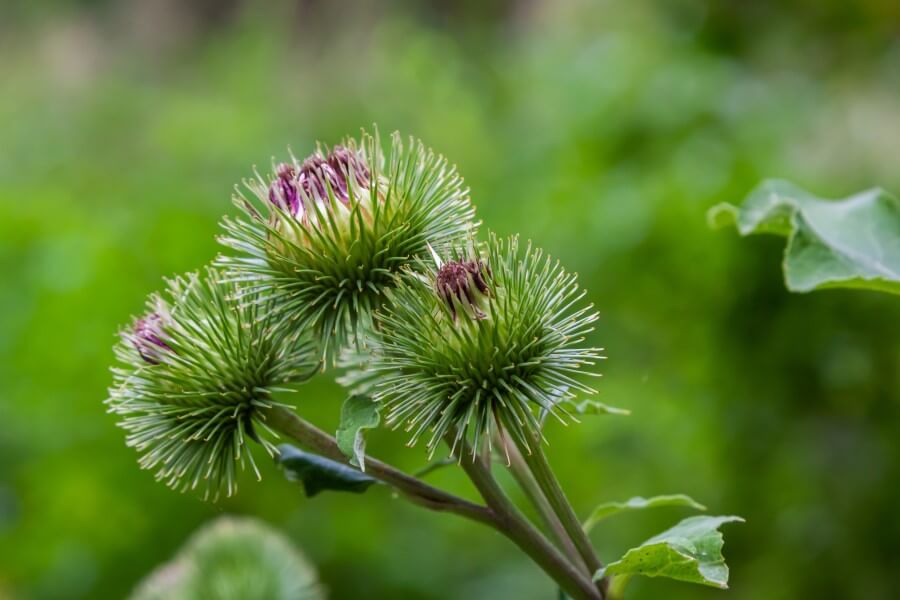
848,243
609,509
317,473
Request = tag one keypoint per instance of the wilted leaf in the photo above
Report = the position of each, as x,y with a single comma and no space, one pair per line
852,243
638,503
358,414
318,473
690,551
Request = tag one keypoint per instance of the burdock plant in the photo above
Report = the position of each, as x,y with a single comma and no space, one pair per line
471,347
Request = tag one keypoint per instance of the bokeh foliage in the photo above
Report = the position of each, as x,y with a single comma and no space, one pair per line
603,131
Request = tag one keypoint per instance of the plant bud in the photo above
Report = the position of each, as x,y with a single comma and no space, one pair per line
191,414
523,359
329,237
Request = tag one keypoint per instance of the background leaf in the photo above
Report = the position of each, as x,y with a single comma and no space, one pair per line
234,559
593,407
318,473
690,551
608,509
357,414
852,243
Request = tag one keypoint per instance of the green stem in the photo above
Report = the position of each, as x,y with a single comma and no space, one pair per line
536,460
518,529
500,514
413,489
532,490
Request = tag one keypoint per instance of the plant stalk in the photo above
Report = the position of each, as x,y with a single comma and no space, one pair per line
537,462
500,514
532,490
413,489
518,529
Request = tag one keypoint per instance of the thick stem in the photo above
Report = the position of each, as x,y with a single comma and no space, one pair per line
511,523
537,462
415,490
532,490
500,514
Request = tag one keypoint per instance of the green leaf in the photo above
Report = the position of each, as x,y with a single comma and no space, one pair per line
592,407
358,414
638,503
849,243
234,558
690,551
318,473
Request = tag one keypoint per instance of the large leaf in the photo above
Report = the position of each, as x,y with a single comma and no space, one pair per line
638,503
358,414
318,473
691,551
852,243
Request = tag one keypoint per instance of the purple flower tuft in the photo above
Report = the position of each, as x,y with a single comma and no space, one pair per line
283,191
346,162
463,283
147,338
315,177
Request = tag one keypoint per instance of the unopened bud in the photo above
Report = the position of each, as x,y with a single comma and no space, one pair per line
463,284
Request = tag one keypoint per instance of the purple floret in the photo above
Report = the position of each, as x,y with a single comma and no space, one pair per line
147,338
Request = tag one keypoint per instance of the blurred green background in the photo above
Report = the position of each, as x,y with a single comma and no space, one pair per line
601,130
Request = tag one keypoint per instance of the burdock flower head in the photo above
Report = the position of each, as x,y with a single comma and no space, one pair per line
328,235
489,342
195,374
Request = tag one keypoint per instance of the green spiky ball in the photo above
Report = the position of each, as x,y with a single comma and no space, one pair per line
194,374
456,358
328,236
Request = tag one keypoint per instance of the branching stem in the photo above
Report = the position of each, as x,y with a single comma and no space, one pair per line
532,490
518,529
413,489
534,457
500,514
